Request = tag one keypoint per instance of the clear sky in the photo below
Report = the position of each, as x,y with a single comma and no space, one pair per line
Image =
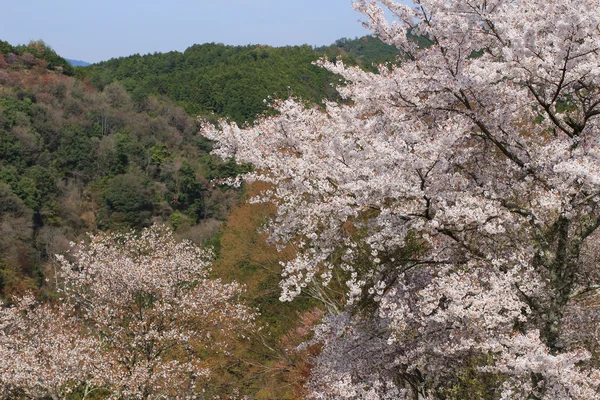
101,29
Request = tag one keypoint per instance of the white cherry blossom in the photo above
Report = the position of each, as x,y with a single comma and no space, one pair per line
464,180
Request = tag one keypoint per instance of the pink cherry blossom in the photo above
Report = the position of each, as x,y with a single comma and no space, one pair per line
456,195
135,316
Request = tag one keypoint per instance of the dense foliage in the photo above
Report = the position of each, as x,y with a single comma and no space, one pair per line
35,53
457,196
74,159
234,81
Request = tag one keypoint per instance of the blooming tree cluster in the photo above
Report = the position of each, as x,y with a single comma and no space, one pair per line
457,195
136,315
43,352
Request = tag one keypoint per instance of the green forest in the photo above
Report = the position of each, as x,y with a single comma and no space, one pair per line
234,81
116,146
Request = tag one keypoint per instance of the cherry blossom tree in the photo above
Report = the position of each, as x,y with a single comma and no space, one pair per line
44,353
137,317
456,194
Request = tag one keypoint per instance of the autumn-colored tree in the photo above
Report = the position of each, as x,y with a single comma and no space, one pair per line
28,59
270,366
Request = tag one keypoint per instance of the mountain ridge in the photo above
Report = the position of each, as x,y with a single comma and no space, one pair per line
213,79
78,63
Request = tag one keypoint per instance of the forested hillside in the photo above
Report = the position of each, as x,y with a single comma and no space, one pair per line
434,234
74,159
112,149
35,53
234,81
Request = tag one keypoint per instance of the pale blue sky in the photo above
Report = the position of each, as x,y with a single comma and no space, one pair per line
101,29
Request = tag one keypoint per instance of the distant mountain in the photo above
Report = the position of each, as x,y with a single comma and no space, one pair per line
78,63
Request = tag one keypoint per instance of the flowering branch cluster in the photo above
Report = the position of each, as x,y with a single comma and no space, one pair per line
481,150
136,314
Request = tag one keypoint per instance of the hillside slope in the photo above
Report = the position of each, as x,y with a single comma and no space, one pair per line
74,159
234,81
